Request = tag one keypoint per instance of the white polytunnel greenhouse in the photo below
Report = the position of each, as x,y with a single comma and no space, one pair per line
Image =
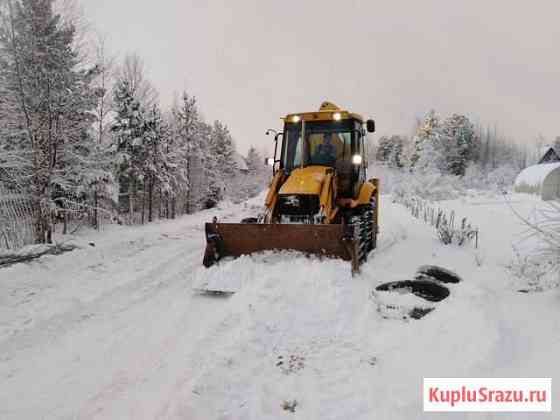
542,179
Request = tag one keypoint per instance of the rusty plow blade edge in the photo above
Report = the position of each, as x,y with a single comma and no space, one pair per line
236,239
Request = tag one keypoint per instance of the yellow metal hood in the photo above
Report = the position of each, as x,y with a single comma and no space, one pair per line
308,180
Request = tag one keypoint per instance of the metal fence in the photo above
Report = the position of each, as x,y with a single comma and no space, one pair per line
16,219
68,214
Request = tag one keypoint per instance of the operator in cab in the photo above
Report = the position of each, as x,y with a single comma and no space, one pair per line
326,152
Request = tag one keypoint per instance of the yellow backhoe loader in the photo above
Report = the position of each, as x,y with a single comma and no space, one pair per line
320,200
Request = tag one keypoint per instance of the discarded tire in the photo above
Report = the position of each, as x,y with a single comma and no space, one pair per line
393,298
440,274
417,313
425,289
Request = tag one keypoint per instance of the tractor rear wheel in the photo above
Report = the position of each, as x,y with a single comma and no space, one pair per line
366,230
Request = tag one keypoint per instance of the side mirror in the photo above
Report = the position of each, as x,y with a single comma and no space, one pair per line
269,162
370,124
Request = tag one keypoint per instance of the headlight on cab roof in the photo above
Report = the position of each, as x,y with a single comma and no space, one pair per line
357,160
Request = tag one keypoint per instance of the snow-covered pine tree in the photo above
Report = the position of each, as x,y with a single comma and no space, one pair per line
128,128
224,149
157,167
460,143
390,150
257,176
208,177
178,159
255,162
133,99
188,129
384,148
427,153
47,93
222,167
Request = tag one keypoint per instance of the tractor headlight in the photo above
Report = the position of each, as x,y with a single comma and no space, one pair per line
337,116
296,118
357,160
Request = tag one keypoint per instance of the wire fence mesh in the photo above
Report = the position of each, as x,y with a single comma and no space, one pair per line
69,213
16,219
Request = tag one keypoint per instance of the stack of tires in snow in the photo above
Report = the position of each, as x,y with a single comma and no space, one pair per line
414,299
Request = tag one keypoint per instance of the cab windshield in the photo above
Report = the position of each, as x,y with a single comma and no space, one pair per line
325,143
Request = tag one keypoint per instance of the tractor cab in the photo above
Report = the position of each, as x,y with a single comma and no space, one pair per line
330,138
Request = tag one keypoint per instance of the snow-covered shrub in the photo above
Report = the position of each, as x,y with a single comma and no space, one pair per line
445,233
465,233
432,186
289,405
448,234
540,268
502,178
388,176
499,179
475,178
534,273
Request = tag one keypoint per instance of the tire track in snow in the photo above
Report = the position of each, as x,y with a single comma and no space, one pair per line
116,319
116,353
118,299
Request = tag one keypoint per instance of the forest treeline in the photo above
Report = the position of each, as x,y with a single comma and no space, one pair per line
84,136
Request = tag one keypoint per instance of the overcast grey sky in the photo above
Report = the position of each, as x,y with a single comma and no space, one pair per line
249,62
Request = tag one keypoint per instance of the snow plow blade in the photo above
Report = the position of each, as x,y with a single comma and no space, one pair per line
236,239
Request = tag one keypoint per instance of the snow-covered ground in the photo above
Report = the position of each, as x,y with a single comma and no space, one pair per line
116,331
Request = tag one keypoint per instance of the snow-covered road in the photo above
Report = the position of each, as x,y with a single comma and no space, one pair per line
116,331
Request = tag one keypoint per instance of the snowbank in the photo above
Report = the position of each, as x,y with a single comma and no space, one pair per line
119,329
